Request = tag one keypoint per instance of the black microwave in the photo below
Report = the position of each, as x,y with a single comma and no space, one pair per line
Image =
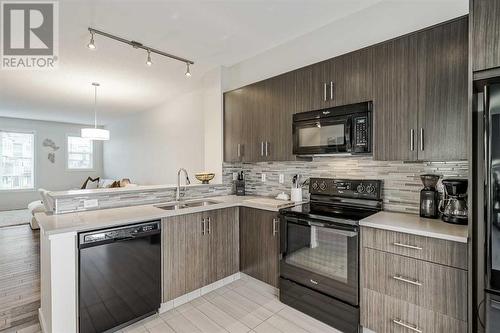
341,129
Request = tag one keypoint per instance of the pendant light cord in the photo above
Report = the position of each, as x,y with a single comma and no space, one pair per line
95,106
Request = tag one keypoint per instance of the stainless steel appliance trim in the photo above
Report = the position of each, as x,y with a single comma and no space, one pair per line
422,139
412,139
403,279
414,328
407,246
331,90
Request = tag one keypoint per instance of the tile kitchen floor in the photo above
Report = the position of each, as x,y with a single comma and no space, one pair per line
246,305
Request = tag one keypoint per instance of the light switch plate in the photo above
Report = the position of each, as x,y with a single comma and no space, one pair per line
282,178
92,203
263,177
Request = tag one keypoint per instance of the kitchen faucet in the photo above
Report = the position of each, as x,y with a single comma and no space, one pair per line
178,191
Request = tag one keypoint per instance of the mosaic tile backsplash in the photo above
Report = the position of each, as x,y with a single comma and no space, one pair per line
401,182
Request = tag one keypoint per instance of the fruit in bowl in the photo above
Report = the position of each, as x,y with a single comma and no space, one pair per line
205,177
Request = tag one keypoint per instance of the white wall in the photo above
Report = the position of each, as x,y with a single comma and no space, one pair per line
149,147
50,176
382,21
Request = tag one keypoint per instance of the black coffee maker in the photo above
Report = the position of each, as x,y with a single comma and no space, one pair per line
429,196
454,203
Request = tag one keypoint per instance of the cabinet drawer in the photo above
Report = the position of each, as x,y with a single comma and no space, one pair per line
384,314
435,287
426,248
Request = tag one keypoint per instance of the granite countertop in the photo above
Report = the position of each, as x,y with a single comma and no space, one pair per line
105,218
416,225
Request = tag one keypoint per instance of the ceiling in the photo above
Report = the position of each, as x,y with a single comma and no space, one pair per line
211,33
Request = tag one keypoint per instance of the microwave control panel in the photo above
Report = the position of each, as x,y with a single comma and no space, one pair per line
362,134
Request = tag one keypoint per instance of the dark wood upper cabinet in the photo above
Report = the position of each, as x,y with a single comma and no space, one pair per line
442,91
485,20
395,116
312,87
350,79
235,131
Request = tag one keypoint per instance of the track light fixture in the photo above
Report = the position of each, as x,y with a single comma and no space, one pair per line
91,44
137,45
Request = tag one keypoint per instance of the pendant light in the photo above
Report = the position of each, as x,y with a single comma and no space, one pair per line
94,133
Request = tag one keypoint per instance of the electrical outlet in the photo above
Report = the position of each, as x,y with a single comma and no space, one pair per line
235,175
282,178
92,203
263,177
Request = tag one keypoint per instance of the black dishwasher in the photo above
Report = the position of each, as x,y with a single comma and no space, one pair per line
119,278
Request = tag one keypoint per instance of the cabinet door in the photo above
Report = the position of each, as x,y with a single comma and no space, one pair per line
485,15
233,125
395,108
259,245
259,96
312,87
351,75
280,108
224,243
183,261
442,91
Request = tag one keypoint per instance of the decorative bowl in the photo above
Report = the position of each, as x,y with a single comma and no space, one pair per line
205,177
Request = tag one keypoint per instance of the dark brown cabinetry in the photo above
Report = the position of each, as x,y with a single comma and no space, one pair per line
442,91
420,99
259,244
485,20
199,249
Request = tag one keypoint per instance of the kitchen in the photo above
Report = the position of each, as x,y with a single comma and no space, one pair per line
338,193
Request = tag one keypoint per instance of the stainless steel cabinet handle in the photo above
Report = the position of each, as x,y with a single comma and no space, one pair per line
275,226
313,282
422,139
400,278
407,246
406,325
412,139
262,148
239,150
331,90
267,148
203,226
324,91
209,225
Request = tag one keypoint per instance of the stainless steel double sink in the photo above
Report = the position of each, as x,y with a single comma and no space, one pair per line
186,204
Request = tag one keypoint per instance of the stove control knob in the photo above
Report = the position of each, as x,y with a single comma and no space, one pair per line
322,186
370,188
315,186
360,188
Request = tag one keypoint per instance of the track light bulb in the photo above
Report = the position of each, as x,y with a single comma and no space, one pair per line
91,44
188,72
149,62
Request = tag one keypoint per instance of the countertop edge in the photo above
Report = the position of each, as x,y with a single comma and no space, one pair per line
411,231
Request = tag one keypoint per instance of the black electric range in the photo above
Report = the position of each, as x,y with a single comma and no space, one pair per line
319,245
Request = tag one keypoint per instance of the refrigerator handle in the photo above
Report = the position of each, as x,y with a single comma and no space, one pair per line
487,178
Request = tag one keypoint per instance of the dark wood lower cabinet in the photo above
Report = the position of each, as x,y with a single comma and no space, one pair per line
259,244
199,249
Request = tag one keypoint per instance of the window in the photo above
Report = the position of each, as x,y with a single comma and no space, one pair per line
17,164
80,153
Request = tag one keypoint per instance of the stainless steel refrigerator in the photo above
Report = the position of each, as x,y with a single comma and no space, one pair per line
488,177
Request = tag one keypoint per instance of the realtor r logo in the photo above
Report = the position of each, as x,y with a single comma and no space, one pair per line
29,35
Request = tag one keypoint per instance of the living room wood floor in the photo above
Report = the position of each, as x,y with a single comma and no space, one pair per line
19,277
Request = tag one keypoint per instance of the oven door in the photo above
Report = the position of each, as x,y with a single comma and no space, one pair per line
322,136
321,255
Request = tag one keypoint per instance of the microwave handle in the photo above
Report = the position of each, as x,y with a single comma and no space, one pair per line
348,134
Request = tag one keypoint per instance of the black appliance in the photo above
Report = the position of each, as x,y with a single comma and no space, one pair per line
454,204
341,129
119,276
319,245
429,196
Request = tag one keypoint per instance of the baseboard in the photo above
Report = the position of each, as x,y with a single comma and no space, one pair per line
41,319
164,307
